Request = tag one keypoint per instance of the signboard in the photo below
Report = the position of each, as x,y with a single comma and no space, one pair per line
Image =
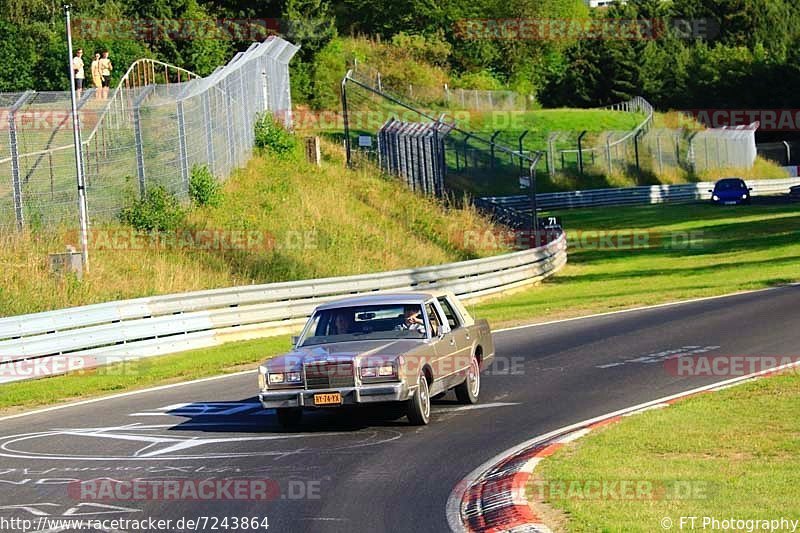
365,141
524,182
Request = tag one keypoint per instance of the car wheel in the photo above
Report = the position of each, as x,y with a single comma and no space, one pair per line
468,391
289,417
419,406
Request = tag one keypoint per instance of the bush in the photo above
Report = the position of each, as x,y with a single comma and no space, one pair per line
272,137
204,189
159,210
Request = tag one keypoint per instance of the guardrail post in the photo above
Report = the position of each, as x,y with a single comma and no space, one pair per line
137,134
13,145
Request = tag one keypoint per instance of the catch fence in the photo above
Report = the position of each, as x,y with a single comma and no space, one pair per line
152,129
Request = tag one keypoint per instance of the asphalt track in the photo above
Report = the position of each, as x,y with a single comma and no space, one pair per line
356,471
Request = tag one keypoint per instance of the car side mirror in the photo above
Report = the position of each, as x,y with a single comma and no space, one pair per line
295,339
710,190
749,188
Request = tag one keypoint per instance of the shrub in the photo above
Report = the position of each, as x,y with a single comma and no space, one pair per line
204,189
159,210
272,137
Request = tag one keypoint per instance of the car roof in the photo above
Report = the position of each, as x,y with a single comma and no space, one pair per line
729,179
378,298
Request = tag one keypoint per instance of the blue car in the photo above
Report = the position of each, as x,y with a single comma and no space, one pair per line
730,191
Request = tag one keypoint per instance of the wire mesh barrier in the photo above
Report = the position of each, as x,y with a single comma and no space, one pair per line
784,153
157,124
723,147
601,152
470,162
444,96
415,151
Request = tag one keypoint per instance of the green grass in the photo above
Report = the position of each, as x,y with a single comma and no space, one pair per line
733,249
736,449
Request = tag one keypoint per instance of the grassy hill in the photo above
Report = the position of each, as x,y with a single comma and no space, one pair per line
301,222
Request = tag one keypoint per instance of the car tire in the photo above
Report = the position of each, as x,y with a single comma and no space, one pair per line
468,391
289,417
419,405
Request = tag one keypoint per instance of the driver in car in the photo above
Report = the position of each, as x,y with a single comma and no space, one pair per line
412,321
343,323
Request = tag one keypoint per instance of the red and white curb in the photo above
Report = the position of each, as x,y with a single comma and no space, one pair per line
492,498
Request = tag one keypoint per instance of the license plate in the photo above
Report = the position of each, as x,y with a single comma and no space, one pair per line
729,203
329,398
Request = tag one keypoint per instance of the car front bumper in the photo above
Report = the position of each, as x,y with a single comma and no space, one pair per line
372,393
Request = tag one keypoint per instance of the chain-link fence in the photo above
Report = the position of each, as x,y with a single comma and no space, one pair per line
152,129
444,96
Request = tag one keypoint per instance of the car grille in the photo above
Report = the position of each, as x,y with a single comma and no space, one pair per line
327,375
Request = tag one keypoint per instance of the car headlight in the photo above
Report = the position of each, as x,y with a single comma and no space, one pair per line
276,378
384,371
293,377
744,196
715,197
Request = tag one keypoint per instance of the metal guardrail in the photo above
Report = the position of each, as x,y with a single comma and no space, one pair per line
510,206
111,332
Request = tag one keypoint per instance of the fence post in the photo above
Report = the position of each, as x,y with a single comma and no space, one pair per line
137,134
14,146
209,131
580,152
345,118
519,141
491,148
183,157
608,153
636,150
660,158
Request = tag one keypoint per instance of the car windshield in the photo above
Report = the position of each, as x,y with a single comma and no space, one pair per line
729,185
365,322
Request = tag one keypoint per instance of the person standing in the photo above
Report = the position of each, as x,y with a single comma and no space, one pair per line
78,72
97,78
105,73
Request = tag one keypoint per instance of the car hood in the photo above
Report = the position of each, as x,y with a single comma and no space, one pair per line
731,193
375,351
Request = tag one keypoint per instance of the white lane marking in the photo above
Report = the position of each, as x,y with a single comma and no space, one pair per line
453,506
502,330
643,308
663,355
476,406
127,394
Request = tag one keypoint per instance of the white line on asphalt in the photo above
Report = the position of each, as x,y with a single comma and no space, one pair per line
126,394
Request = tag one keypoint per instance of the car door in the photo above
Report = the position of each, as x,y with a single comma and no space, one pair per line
460,333
443,345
